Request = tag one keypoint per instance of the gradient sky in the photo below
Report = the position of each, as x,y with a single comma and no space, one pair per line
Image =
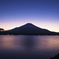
42,13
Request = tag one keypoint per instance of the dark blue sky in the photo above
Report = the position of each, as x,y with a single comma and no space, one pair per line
43,13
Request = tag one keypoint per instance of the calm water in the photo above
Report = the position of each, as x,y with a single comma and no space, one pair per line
28,47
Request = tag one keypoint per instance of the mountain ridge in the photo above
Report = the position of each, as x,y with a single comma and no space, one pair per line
29,29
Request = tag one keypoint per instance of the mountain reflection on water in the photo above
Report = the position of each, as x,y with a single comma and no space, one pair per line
28,47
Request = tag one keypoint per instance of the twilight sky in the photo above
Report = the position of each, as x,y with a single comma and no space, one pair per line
42,13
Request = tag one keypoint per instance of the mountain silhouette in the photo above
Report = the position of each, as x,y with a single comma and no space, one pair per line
29,29
1,29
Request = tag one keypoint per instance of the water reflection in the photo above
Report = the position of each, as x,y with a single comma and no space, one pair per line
31,46
28,42
48,42
10,42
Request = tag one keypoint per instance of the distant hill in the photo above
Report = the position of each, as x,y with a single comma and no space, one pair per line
1,29
29,29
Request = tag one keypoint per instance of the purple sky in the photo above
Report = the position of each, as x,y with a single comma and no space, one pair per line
42,13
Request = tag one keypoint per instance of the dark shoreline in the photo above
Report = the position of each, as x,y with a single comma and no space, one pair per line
29,35
55,57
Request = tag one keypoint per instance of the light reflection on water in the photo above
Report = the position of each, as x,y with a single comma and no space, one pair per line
44,45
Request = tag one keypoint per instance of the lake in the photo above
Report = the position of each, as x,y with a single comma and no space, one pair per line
28,47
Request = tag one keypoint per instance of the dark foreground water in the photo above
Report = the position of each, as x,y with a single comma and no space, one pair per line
28,47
